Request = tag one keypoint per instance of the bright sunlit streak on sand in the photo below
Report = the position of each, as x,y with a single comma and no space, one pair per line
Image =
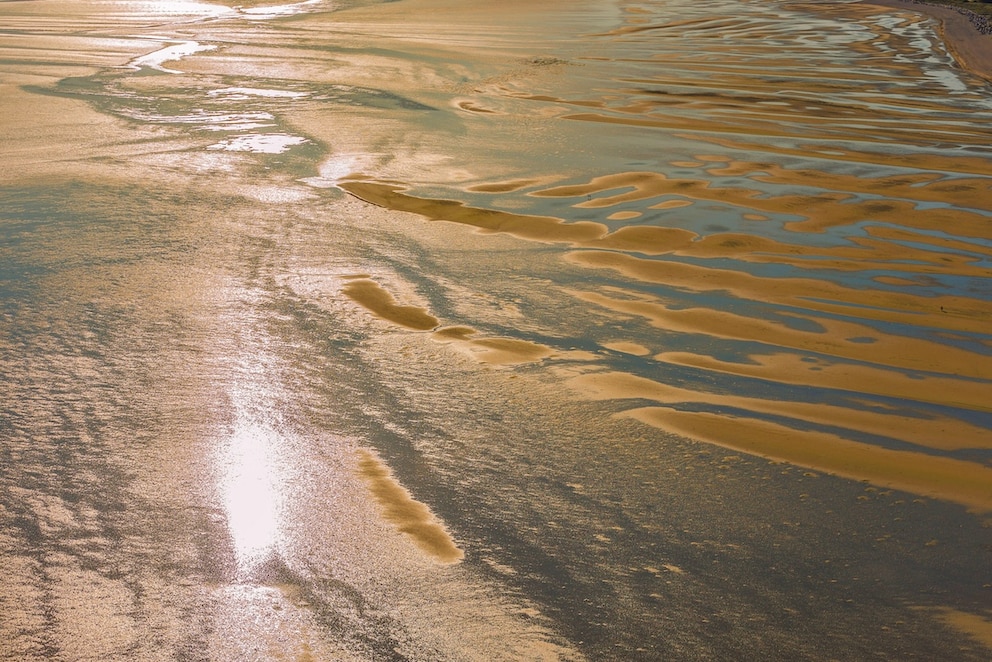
251,493
277,11
182,7
157,59
259,143
338,167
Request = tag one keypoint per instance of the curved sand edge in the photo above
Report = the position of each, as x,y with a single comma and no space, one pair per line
405,513
971,48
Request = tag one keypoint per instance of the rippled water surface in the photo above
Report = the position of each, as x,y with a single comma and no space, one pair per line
448,330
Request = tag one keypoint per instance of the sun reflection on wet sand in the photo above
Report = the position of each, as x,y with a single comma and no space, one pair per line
251,493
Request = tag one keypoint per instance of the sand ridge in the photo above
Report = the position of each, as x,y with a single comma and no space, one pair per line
966,483
939,433
489,350
408,515
382,304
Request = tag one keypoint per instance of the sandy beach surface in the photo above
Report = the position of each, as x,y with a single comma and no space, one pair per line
449,330
970,46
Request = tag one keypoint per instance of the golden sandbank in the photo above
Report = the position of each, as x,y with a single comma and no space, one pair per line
409,516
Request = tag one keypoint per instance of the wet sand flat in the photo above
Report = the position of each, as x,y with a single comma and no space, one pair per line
437,330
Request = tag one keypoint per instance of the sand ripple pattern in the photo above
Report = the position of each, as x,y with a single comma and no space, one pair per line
798,264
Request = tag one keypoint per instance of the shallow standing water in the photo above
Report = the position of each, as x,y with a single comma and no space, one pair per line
451,330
